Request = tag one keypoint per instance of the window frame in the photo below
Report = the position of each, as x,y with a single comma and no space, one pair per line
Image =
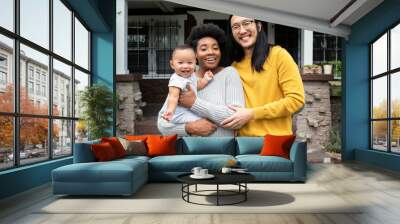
388,74
338,47
16,114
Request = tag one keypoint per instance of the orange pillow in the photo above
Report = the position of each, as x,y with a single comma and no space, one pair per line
136,137
103,152
161,145
277,145
116,145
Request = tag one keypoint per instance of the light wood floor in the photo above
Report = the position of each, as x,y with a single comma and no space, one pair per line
377,188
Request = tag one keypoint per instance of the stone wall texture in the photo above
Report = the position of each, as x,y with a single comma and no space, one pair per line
314,121
336,107
129,107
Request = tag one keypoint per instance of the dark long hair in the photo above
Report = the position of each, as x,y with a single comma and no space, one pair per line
260,51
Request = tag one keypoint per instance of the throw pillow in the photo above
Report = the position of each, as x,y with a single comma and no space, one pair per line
161,145
277,145
135,147
117,146
136,137
103,151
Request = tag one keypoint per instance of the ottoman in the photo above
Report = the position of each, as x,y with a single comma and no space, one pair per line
119,177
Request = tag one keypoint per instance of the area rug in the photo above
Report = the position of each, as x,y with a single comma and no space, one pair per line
167,198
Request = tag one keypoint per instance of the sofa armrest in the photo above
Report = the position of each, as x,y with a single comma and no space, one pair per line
83,152
298,155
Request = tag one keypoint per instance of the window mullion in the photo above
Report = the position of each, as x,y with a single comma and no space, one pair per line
371,142
50,82
16,84
389,106
73,81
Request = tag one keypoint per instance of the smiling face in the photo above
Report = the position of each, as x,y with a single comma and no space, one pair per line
244,30
208,53
183,62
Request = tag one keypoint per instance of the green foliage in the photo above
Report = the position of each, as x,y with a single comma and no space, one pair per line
335,142
97,104
337,68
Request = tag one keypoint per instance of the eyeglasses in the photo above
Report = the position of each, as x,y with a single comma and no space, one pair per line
245,24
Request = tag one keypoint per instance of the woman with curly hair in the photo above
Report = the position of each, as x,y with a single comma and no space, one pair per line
211,102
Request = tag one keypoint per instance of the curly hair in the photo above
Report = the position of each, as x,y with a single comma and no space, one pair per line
208,30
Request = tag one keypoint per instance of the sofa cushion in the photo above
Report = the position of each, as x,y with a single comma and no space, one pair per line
132,157
208,145
249,145
185,163
112,171
257,163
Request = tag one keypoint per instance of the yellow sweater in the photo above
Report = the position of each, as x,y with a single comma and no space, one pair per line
274,93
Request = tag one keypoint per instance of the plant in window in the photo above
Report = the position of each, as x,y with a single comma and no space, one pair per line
97,102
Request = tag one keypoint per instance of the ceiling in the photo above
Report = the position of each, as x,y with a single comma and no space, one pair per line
327,16
143,4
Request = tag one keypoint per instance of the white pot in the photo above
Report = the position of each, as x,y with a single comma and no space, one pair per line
328,69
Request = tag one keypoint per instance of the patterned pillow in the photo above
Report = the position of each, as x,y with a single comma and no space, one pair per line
134,147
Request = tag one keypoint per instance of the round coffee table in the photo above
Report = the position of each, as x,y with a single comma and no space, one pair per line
238,179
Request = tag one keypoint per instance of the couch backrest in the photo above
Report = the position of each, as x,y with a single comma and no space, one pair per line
249,145
83,153
190,146
208,145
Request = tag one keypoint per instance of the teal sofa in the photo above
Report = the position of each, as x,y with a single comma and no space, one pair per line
125,176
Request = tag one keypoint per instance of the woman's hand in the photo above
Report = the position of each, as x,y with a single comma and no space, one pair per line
239,118
187,98
202,127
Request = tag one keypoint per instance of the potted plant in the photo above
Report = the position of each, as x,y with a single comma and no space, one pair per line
337,68
312,69
327,68
307,69
96,102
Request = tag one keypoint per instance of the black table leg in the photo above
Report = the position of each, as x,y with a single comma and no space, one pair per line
217,194
182,190
245,193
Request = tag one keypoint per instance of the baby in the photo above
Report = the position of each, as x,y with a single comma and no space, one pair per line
183,62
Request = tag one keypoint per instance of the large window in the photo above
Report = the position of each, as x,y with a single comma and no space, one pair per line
385,94
40,80
150,44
